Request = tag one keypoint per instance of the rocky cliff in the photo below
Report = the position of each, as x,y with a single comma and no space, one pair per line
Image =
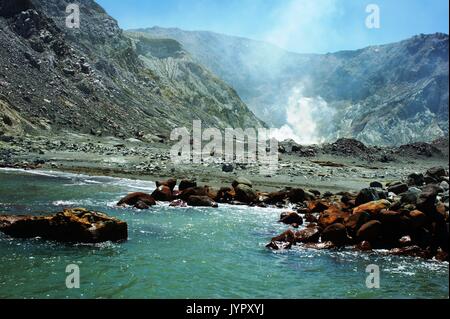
389,94
92,79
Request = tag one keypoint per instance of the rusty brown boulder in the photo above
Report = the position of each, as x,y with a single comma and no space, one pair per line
133,199
418,219
187,183
196,191
201,201
225,194
318,206
171,183
290,218
72,225
355,221
373,208
245,194
287,237
332,216
163,193
337,234
370,231
308,235
275,197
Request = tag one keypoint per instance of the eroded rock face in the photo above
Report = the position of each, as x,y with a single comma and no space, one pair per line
72,225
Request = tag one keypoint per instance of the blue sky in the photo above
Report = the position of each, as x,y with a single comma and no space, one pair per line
306,26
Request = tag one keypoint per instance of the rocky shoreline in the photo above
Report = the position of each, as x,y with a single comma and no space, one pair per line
404,213
344,165
407,217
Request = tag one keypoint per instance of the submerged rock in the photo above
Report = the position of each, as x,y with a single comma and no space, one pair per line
363,246
178,203
72,225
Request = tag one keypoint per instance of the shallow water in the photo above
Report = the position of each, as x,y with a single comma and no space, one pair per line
185,252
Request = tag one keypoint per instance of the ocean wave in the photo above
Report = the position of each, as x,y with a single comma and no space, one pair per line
82,179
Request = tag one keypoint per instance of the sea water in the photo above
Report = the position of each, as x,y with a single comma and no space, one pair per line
185,252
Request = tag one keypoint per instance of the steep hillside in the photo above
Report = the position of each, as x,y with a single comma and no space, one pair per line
92,79
390,94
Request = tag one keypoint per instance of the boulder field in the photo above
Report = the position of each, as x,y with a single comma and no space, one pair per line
407,217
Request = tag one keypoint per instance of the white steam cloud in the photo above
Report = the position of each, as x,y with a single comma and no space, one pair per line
306,119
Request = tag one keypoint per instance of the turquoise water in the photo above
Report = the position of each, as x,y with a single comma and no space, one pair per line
185,252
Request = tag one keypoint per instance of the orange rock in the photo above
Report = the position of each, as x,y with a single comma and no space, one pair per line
133,198
332,216
373,208
318,206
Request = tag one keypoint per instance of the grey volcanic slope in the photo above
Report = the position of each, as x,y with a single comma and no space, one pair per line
92,78
389,94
